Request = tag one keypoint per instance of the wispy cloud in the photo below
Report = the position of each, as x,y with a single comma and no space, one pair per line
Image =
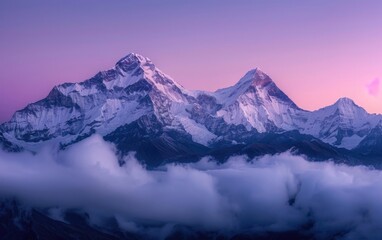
373,87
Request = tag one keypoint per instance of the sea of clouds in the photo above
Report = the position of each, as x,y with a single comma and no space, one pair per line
277,193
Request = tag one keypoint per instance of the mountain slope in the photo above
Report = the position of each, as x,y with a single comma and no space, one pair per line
139,108
371,144
132,89
256,102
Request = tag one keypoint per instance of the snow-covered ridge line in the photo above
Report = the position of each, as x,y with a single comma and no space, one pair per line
135,89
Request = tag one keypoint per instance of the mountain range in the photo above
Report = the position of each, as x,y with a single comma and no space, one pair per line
139,108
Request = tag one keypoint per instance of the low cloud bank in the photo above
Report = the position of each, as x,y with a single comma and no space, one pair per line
278,193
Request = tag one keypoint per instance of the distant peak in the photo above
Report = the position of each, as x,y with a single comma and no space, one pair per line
344,101
255,77
347,106
253,71
134,57
131,61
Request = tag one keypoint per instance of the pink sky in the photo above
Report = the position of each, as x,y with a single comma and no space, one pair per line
315,51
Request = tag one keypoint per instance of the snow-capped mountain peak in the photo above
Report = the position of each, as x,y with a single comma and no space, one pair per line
345,102
128,71
134,57
118,96
255,77
137,67
136,94
256,102
132,61
252,80
342,124
348,108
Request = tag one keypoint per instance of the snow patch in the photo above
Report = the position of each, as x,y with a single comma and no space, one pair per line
199,133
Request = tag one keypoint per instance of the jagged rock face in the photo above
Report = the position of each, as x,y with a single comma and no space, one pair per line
135,94
371,144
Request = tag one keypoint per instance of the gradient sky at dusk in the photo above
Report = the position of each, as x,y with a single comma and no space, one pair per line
315,51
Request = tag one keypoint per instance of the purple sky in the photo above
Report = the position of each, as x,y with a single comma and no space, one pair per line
316,51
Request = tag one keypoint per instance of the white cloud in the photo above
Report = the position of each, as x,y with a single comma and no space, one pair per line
269,194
